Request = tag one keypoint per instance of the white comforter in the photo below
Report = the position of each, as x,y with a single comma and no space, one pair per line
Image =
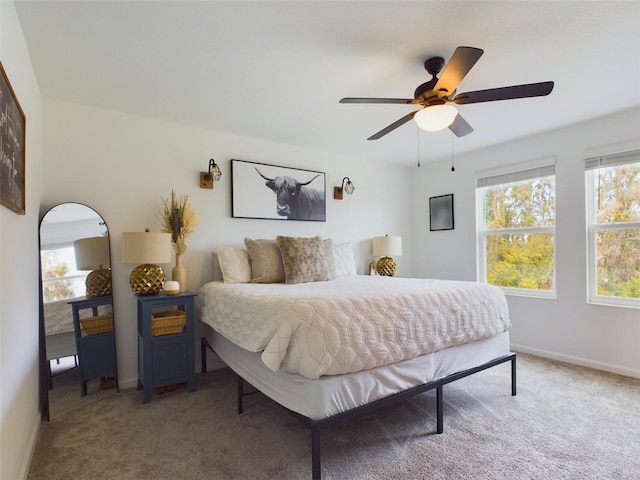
351,323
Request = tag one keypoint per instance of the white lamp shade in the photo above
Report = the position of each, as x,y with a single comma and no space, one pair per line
387,246
92,253
146,247
436,117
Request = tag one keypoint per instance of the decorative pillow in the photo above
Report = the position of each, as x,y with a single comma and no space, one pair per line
303,258
329,257
234,263
343,258
266,261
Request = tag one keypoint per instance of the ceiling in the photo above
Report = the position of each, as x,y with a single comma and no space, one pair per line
276,70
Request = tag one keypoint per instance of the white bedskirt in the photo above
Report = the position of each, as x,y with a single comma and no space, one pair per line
330,395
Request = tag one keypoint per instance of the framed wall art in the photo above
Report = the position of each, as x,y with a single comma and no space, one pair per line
12,148
260,190
441,213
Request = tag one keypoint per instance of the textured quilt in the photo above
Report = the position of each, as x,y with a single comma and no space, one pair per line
352,323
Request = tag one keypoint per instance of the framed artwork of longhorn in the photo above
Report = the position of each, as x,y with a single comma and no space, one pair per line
260,190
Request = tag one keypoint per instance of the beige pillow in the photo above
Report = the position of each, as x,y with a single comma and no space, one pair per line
266,261
234,263
303,258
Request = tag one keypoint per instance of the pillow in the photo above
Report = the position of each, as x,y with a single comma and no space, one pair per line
234,263
266,261
303,259
344,262
329,257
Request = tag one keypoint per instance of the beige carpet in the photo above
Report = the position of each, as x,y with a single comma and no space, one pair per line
567,422
65,396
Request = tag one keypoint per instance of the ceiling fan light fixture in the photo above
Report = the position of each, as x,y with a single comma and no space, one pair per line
436,117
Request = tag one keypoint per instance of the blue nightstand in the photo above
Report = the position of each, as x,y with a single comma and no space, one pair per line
96,351
165,359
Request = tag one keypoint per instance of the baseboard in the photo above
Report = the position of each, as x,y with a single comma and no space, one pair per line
583,362
33,440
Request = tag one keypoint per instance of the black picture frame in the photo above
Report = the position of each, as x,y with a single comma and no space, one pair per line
272,192
441,213
12,148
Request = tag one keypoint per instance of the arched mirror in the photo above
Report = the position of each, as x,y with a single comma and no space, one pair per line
76,311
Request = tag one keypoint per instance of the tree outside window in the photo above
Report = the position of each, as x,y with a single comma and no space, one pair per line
60,279
613,219
517,231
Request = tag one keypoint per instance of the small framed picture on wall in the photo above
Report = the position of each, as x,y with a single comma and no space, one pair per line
441,212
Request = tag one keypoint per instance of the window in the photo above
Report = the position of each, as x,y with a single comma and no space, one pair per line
60,279
613,228
516,229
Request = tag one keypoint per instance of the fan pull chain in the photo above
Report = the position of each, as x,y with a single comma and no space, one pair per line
418,132
453,169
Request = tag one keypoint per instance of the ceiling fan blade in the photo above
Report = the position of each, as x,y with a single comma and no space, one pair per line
462,60
377,100
505,93
460,127
393,126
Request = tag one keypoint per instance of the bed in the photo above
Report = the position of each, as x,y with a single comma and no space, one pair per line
340,344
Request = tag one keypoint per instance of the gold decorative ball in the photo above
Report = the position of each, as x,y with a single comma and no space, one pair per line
146,279
98,283
386,266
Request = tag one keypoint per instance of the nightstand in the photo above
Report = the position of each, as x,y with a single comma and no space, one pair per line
165,359
95,341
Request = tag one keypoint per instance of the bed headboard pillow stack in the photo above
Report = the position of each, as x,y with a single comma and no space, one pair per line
286,260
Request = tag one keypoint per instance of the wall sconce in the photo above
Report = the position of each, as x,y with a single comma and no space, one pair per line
213,175
349,188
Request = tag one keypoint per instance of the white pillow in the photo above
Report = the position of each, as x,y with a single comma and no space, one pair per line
234,263
343,260
329,258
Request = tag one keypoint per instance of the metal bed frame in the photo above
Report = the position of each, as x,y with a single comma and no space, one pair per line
317,425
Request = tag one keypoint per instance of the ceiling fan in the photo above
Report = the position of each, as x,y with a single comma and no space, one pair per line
437,95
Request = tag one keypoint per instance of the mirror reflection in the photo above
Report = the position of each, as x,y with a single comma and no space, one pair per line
77,307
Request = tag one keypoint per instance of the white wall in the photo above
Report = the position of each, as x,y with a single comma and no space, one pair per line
566,328
122,165
19,409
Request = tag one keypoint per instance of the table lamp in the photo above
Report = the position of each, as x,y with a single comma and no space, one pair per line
384,247
93,254
147,249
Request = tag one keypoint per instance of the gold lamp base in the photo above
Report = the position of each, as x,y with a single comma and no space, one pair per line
386,266
98,283
147,279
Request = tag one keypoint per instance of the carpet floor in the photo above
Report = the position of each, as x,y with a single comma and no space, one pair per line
566,422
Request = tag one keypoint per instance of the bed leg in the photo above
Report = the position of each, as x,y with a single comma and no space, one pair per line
240,393
203,354
315,454
439,410
513,376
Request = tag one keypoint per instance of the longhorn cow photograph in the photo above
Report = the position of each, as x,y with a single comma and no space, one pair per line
261,190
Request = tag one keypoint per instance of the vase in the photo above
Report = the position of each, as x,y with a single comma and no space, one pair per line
179,273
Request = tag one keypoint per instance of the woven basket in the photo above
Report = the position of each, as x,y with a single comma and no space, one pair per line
96,325
167,323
